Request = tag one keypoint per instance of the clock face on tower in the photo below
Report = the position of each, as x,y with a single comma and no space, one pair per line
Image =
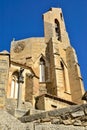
19,47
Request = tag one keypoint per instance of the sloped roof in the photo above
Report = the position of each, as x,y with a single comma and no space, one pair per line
4,52
56,98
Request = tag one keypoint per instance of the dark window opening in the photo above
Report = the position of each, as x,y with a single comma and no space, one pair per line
42,70
57,30
42,62
61,16
63,74
62,66
54,106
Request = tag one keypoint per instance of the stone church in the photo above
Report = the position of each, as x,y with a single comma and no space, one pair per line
42,73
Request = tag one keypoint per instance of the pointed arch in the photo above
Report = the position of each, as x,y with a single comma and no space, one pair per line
57,30
66,83
42,69
63,75
14,85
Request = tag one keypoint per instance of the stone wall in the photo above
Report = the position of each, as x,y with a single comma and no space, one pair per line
11,106
8,122
71,118
27,48
49,102
4,68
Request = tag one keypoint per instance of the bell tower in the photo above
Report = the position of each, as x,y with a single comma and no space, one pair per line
54,26
65,77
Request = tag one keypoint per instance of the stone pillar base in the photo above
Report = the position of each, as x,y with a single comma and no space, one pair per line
42,89
19,112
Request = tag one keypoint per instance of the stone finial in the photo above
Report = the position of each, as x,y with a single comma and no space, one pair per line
13,39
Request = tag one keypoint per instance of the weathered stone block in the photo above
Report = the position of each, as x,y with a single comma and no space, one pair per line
86,111
19,113
57,121
34,117
46,120
67,122
59,112
77,123
77,114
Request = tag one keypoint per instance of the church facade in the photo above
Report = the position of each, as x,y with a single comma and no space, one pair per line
42,71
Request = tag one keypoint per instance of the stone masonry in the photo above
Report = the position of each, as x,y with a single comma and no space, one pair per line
41,86
4,70
50,67
71,118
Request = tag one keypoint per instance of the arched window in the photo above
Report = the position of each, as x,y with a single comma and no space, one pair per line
62,66
61,16
42,70
14,86
57,30
63,75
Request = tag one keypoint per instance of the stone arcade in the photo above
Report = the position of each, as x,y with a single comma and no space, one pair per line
51,73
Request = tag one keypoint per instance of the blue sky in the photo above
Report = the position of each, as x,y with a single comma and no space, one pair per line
21,19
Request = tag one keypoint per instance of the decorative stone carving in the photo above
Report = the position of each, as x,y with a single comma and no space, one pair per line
19,47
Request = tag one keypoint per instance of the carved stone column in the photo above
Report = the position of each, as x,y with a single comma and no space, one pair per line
20,82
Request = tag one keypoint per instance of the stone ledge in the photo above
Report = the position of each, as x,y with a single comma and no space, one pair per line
75,115
34,117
